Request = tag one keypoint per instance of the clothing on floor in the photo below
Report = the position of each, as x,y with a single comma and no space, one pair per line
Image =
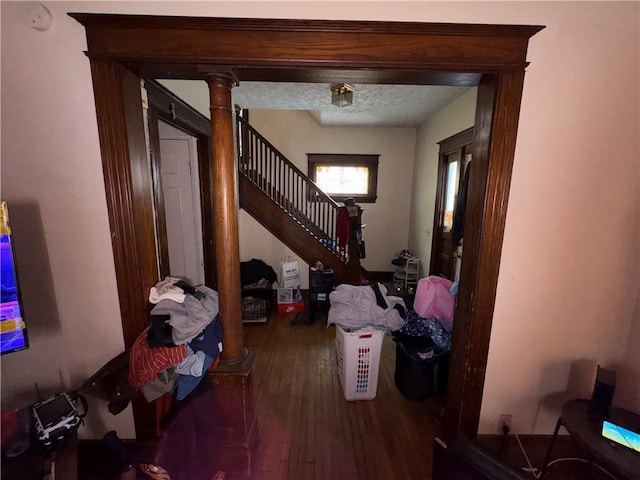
425,328
181,343
164,383
145,363
192,364
210,340
166,290
187,383
254,270
189,318
434,300
380,301
357,307
160,332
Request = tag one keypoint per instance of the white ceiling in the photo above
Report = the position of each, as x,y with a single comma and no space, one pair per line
373,105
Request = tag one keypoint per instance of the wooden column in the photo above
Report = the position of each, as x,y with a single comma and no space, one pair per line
225,215
238,432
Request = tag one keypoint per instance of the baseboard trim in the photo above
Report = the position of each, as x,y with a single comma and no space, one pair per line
377,276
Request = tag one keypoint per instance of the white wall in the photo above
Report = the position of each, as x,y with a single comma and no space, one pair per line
193,92
568,281
52,173
569,272
296,133
454,118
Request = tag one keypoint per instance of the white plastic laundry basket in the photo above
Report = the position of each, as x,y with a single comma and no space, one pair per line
358,359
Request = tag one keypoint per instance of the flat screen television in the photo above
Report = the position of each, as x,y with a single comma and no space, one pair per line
13,330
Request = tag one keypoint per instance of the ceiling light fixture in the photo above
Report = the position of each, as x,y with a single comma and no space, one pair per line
342,95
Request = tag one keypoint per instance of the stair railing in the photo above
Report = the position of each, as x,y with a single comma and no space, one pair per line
289,187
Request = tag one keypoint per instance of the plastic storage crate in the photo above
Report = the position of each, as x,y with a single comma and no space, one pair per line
358,360
256,301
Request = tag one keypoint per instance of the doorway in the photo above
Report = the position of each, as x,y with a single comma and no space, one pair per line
123,49
183,126
454,162
180,184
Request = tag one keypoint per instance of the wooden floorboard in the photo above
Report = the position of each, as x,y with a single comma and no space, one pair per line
309,431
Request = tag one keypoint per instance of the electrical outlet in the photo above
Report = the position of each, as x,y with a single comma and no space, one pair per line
504,420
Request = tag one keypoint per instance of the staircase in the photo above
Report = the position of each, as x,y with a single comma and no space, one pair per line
288,204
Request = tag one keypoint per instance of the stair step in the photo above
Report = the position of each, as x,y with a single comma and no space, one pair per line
258,186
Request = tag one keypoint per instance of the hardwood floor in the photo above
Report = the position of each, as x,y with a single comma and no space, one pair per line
309,431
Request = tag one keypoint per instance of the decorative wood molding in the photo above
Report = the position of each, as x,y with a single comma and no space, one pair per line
456,141
264,49
489,181
158,193
114,124
176,111
123,149
306,43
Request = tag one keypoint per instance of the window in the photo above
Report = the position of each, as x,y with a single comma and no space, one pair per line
345,175
451,190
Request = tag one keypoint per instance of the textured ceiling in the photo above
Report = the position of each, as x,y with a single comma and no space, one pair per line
373,105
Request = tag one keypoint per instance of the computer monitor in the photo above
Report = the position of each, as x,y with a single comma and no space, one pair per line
13,330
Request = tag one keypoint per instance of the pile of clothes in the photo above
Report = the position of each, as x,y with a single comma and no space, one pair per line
355,307
182,341
428,327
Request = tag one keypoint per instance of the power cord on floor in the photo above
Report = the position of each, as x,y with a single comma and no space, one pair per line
536,473
505,432
530,469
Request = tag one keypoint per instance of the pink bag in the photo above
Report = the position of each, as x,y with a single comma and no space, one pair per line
434,300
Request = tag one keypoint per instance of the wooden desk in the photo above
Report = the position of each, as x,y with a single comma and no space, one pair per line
623,462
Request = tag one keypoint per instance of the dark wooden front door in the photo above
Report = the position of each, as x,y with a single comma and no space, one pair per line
454,159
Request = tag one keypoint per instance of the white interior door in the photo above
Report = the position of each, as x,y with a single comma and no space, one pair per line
180,187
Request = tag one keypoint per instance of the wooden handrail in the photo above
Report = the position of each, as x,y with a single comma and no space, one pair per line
266,167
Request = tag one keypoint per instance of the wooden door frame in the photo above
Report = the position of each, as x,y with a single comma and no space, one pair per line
164,105
491,57
447,146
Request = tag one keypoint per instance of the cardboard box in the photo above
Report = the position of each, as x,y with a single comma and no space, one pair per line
285,295
291,307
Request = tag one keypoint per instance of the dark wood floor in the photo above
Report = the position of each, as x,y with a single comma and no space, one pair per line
308,429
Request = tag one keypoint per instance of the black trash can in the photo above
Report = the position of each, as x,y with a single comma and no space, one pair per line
422,371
